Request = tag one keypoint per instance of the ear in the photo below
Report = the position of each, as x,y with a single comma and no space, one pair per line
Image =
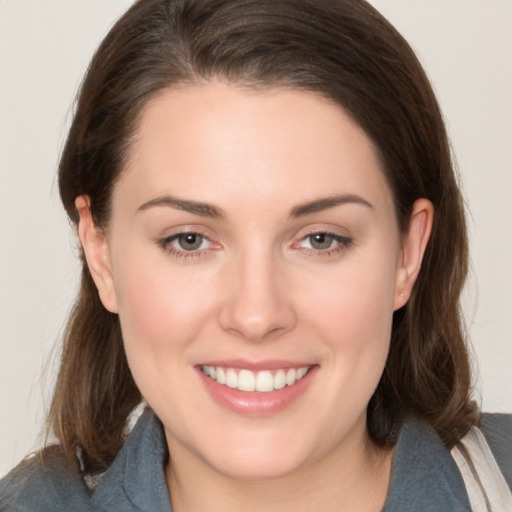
414,242
97,253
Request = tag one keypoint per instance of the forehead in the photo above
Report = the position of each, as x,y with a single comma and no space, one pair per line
217,141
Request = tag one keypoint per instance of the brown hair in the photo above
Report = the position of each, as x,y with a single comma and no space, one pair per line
344,50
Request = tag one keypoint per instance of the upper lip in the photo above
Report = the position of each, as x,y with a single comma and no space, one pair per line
256,366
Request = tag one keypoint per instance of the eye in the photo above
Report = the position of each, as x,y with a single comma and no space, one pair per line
323,243
187,244
189,241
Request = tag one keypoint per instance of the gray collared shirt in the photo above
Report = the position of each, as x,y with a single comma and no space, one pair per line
424,477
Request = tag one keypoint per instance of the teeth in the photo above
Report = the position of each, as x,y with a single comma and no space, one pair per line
246,380
280,379
264,382
221,376
301,372
291,375
231,379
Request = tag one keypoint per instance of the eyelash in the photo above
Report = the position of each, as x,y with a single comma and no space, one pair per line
343,243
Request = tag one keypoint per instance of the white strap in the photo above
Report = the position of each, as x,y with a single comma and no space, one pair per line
485,485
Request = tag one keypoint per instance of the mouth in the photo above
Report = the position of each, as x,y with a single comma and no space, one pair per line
265,381
257,392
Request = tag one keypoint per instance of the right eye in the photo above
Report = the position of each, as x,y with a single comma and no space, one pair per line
186,244
189,241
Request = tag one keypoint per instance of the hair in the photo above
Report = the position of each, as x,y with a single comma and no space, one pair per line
343,50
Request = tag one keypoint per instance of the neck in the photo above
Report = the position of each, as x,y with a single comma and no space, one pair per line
356,481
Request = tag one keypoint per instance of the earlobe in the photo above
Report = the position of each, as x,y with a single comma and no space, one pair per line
96,250
414,243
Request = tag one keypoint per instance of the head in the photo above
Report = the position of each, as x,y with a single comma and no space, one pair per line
262,47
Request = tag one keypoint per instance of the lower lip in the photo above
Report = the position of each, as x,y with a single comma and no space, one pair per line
254,404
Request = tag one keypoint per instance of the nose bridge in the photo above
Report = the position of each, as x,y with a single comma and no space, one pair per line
258,304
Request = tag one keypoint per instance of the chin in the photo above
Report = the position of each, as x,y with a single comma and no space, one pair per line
264,450
259,465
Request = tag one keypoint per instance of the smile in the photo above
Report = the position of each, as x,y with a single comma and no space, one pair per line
263,382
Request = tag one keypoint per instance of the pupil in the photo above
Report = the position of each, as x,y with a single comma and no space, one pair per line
321,241
190,241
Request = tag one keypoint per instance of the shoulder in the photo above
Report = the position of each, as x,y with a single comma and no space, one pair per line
424,475
497,429
43,483
134,481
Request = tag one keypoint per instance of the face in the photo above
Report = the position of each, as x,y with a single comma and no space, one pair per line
254,260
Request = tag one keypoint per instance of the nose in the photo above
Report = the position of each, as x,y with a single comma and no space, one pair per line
259,304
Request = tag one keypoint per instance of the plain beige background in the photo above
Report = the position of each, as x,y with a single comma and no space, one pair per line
466,47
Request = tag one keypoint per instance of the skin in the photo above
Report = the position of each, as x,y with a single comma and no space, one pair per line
257,289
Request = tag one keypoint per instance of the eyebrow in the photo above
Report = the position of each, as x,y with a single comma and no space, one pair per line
214,212
195,207
325,203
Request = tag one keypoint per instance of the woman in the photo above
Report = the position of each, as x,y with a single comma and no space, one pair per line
273,251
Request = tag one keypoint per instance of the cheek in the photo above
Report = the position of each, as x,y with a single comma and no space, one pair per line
351,315
160,308
145,306
152,293
354,303
161,313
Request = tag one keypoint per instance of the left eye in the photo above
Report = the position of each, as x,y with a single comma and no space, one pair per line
323,241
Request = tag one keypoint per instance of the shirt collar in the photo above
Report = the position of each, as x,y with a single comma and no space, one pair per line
424,475
136,478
